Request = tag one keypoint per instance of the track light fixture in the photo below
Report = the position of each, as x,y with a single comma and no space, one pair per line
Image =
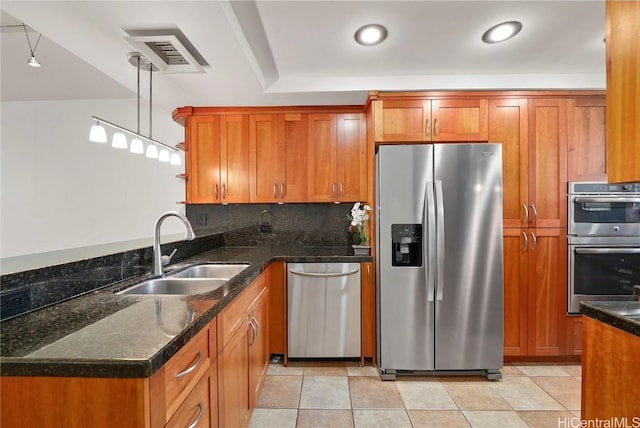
119,140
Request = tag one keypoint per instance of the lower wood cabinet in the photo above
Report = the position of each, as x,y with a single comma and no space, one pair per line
368,306
243,345
535,290
610,375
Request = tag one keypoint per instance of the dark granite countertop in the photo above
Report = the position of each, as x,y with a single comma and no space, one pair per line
624,315
102,334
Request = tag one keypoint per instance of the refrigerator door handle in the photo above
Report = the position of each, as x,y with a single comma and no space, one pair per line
439,239
430,242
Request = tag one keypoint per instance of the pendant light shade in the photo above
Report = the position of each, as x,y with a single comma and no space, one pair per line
136,146
119,141
152,152
175,159
164,156
33,62
98,134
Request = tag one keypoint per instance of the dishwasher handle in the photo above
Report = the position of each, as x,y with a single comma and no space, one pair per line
324,275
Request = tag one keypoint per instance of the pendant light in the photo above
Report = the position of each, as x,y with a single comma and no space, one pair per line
33,62
119,140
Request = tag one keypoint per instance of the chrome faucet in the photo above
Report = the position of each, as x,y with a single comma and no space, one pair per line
157,254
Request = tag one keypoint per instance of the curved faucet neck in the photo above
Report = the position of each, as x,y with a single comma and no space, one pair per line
157,253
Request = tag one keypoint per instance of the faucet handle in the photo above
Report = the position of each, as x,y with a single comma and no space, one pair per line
167,259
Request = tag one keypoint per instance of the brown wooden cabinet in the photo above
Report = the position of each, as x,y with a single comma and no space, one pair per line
586,139
610,375
418,119
535,291
217,159
337,157
277,283
547,163
368,320
179,391
243,343
623,85
259,354
278,157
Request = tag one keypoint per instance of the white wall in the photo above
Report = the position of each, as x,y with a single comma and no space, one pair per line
59,191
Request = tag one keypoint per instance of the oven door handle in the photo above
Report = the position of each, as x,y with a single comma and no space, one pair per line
595,200
607,250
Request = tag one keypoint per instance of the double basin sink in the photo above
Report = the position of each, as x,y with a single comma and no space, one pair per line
194,280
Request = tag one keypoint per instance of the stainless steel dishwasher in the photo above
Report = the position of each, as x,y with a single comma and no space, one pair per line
323,310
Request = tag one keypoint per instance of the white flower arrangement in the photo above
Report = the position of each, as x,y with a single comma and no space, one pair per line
359,216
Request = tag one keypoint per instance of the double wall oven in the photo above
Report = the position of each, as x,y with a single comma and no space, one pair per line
604,242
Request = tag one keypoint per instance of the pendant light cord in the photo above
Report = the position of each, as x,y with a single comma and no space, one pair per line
32,50
150,97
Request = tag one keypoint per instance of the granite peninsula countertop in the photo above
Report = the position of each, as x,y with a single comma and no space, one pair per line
624,315
102,334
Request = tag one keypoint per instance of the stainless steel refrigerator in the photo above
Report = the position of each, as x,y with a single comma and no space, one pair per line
439,272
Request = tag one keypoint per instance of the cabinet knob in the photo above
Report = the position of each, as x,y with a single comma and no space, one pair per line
436,127
427,127
525,214
534,241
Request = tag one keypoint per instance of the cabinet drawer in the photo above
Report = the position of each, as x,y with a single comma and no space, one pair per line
194,410
184,370
234,315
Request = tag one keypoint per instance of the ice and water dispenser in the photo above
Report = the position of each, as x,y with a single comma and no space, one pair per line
406,240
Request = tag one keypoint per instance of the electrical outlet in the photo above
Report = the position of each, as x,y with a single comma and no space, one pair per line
201,219
14,302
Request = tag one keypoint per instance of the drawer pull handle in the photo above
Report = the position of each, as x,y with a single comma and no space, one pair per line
200,413
191,367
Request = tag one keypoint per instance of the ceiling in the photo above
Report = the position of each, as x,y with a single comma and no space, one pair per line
300,52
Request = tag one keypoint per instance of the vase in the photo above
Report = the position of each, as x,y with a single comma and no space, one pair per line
361,250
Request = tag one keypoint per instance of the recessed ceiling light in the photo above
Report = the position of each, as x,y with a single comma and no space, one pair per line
371,34
501,32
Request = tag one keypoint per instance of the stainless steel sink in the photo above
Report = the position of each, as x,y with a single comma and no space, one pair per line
176,286
211,271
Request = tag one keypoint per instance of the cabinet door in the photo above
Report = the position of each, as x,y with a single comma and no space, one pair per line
547,291
368,334
352,157
586,139
203,160
277,284
402,120
234,155
263,153
233,380
508,126
292,158
574,335
258,345
516,247
623,83
459,120
322,163
547,162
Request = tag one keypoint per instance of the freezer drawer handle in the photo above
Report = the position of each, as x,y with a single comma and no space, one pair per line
607,250
324,275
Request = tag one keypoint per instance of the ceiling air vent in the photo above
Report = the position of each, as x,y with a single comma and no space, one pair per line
169,50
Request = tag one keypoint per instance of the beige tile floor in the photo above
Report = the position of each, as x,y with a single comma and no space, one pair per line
337,394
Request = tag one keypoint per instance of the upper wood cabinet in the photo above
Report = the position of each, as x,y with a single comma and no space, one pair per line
623,87
337,157
586,139
406,120
278,157
508,125
217,159
203,160
547,201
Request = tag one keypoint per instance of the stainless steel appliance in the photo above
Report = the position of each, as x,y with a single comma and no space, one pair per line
604,242
323,310
439,276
